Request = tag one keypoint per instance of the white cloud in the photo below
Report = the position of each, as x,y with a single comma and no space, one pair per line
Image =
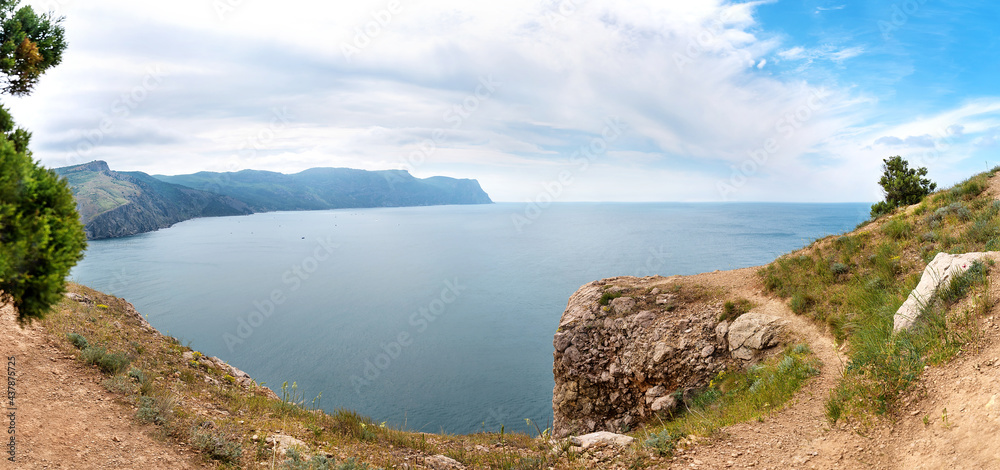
684,76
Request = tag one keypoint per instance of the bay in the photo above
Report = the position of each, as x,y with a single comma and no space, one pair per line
433,318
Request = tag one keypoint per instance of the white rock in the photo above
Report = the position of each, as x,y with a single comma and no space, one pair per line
602,437
940,270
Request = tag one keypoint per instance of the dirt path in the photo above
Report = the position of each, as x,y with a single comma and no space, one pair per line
798,436
65,418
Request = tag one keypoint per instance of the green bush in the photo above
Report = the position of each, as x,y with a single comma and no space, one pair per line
157,409
41,237
109,363
79,341
800,303
839,268
968,189
608,296
662,442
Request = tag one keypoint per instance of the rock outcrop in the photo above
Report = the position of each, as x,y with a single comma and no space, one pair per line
628,348
752,333
939,271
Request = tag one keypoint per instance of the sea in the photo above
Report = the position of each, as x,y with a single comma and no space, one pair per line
433,319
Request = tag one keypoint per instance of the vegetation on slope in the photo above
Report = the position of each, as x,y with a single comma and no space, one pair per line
856,282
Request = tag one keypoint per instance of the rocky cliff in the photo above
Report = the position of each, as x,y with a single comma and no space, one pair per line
117,204
629,348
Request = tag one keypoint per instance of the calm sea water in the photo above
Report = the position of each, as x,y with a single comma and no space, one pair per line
439,318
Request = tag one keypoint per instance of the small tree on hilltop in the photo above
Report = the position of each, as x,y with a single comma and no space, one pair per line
41,237
901,185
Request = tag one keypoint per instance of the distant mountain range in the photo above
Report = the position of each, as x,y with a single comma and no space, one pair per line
118,203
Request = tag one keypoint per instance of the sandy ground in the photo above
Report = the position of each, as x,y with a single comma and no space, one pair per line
64,417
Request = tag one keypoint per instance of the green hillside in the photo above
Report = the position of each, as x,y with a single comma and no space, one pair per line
116,204
334,188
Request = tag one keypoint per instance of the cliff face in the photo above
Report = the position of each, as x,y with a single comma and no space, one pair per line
117,204
629,348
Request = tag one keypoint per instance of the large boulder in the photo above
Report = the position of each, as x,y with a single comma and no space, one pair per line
939,271
753,333
617,365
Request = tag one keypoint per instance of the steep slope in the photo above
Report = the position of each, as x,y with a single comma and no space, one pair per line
118,204
64,418
334,188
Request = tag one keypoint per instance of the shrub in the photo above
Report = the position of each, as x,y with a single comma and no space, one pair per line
800,303
662,442
732,310
155,409
967,189
109,363
218,447
78,340
981,231
608,296
118,384
839,268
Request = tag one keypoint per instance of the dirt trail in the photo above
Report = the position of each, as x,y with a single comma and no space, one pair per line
65,418
799,436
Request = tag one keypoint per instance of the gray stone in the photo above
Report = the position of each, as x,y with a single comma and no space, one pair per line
661,351
720,332
644,318
562,341
623,305
654,393
440,462
753,332
571,355
282,443
707,351
665,404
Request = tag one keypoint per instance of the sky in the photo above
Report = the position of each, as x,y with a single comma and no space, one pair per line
539,100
